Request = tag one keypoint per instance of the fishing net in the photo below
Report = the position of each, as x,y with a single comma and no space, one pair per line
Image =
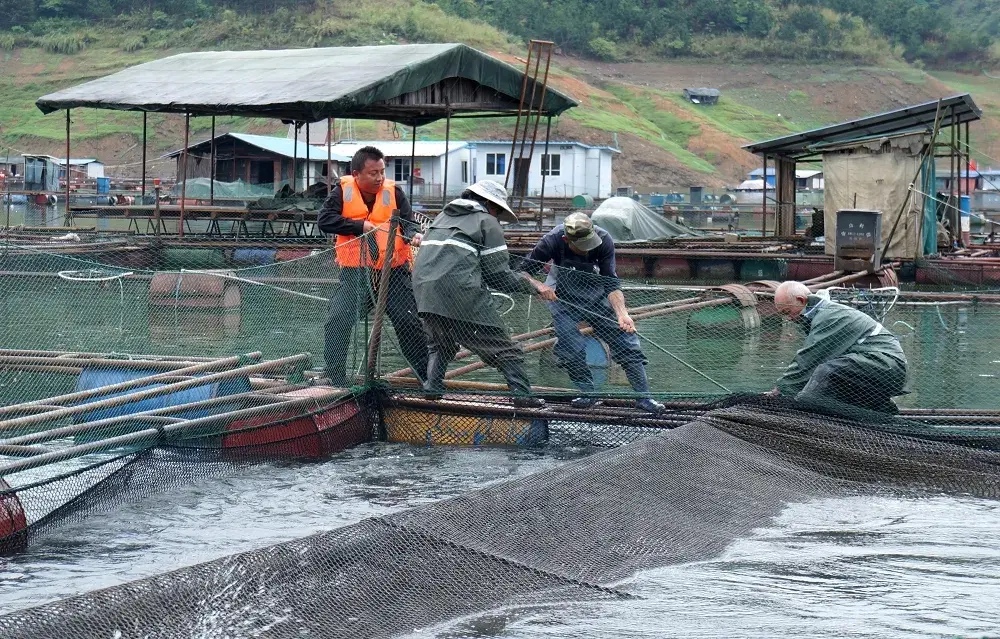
135,363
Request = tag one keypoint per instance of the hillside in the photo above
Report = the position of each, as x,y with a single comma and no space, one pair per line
666,142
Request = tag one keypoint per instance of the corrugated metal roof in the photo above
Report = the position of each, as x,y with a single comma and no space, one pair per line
284,147
307,85
540,144
919,117
399,148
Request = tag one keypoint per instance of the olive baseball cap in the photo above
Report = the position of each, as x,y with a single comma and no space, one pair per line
580,232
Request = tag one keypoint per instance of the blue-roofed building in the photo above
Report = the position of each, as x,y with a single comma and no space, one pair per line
260,160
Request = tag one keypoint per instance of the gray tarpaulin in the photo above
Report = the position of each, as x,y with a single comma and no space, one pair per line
876,175
629,221
311,84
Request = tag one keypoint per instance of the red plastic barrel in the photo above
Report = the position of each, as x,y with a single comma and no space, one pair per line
12,520
311,434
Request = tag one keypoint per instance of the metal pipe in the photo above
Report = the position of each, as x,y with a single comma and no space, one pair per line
308,158
166,389
22,451
295,157
134,383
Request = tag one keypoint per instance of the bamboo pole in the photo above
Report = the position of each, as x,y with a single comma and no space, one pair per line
382,299
242,400
150,436
227,362
166,389
469,368
464,354
82,355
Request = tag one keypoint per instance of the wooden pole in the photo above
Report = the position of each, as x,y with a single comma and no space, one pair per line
447,140
383,296
329,156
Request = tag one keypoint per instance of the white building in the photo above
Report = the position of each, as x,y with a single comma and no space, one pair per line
576,168
570,168
88,168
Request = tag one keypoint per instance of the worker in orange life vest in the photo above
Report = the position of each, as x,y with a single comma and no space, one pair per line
358,212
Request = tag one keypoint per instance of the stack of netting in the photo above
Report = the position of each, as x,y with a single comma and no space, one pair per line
569,534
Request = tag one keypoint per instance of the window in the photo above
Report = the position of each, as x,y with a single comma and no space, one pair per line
465,172
401,169
551,164
496,164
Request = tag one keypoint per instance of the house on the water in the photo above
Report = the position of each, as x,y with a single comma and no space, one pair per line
570,168
260,160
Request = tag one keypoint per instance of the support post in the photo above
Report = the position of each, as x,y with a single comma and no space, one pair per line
447,140
545,154
184,173
308,158
211,180
763,202
294,182
68,216
329,156
784,170
413,155
144,130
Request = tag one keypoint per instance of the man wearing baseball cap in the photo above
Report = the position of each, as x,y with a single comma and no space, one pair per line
461,254
588,289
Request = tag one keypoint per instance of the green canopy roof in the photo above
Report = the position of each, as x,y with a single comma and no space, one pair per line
410,84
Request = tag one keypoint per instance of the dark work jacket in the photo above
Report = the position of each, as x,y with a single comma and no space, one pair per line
582,280
463,253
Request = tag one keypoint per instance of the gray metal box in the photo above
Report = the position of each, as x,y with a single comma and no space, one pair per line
858,244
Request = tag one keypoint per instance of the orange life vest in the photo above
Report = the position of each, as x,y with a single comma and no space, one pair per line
349,247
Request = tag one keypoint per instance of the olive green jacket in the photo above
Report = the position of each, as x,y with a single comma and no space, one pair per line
835,330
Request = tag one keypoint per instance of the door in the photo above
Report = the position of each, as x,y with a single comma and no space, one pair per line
521,166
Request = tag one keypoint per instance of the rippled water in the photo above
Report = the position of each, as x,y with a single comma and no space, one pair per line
854,567
248,508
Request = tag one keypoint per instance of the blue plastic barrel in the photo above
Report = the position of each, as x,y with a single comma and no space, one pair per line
598,361
103,185
91,378
656,200
254,256
965,214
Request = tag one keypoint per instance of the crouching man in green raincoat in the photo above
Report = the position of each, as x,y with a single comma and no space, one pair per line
847,357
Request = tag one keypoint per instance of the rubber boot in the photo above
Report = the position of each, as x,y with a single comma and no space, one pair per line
520,387
583,379
434,384
636,374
